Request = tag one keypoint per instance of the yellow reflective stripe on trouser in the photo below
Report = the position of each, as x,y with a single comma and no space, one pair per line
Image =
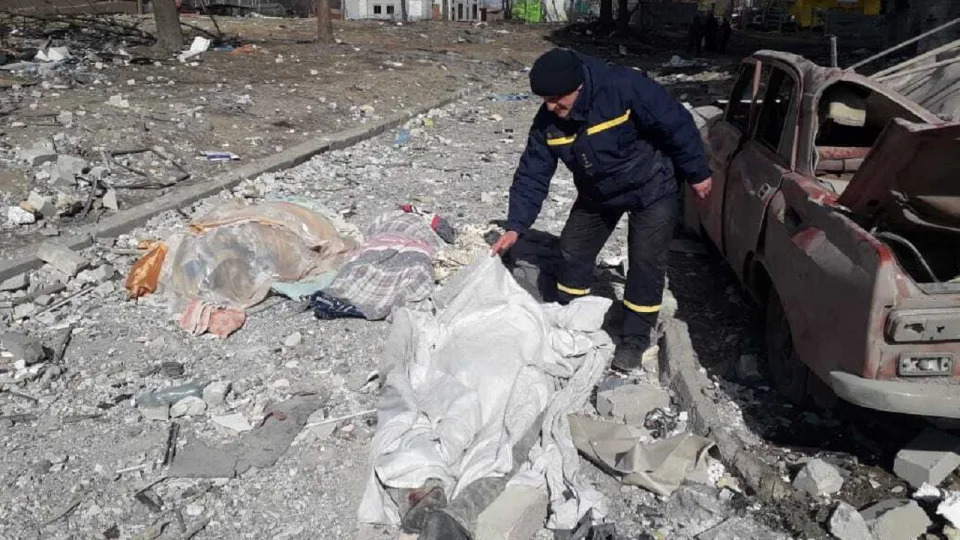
609,124
561,140
591,130
570,290
641,309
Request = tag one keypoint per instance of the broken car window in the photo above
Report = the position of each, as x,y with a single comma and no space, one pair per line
775,111
738,110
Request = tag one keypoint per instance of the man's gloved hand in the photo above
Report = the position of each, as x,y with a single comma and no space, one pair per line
504,244
702,188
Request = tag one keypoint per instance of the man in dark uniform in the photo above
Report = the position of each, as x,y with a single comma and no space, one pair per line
626,140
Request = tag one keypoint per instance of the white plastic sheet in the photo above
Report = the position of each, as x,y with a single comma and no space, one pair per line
467,379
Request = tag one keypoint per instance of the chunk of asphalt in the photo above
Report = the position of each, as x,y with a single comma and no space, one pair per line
260,448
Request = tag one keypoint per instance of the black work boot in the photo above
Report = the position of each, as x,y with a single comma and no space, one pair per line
629,354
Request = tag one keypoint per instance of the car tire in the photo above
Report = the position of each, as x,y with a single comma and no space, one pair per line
787,373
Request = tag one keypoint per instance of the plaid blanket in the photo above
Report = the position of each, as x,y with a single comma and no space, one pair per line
394,266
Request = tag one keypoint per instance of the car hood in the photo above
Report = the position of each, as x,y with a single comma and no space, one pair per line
911,177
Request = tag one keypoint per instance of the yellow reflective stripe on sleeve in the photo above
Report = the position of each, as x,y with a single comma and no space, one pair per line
609,124
591,130
570,290
641,309
561,140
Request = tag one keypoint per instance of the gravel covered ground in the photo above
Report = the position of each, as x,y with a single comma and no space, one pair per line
81,427
79,460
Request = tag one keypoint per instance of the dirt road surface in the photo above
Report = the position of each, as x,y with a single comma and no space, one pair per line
80,460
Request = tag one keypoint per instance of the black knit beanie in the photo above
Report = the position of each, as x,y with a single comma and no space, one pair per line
556,73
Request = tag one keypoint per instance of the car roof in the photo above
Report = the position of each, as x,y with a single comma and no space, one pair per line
816,78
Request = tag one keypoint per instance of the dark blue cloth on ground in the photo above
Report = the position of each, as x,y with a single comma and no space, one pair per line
326,307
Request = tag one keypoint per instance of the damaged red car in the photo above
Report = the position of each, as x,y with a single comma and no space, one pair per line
836,202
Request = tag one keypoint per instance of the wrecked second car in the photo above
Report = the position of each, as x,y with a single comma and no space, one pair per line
837,204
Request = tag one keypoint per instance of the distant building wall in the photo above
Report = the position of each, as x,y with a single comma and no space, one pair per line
417,10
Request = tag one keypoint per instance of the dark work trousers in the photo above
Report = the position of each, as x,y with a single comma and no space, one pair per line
648,243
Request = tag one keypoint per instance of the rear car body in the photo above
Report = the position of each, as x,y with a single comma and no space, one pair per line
841,199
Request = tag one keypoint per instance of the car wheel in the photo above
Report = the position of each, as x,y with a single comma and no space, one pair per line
789,375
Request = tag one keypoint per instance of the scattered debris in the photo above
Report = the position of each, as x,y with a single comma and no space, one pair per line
630,403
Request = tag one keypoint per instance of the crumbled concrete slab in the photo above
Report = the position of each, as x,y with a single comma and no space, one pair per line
15,283
819,478
846,523
928,458
517,514
22,347
896,519
630,403
40,153
234,422
62,258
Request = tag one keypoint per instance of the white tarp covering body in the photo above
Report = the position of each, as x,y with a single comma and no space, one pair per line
466,380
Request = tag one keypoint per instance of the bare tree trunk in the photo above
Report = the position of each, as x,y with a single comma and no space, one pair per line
169,36
403,11
623,14
606,13
324,24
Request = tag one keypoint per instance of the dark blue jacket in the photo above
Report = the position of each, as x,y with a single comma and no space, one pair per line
626,140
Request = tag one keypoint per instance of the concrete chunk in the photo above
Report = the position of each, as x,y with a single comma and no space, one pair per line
188,406
62,258
15,283
100,274
631,403
517,514
215,393
19,216
818,478
40,153
69,167
41,205
896,519
22,347
928,458
847,524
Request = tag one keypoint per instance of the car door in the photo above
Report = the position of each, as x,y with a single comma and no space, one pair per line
756,171
724,139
